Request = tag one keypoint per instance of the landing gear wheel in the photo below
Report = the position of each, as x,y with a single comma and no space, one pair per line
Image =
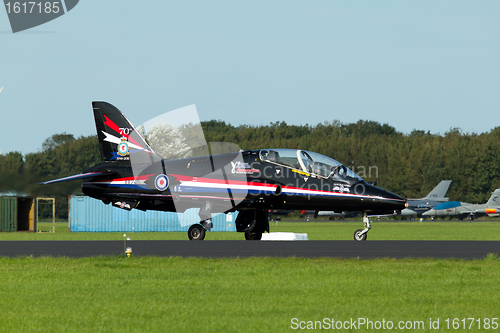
253,235
361,234
196,232
358,236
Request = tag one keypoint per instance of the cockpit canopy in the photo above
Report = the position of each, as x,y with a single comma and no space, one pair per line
309,162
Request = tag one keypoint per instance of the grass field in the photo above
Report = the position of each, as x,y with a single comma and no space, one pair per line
149,294
315,230
146,294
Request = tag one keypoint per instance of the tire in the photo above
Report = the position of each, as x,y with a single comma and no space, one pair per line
196,232
359,238
253,235
412,218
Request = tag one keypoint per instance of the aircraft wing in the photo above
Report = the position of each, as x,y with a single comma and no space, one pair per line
79,176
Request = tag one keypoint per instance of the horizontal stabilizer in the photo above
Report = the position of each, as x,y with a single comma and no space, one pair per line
75,177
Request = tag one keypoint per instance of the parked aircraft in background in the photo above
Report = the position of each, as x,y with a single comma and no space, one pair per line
416,207
467,210
275,214
309,214
133,176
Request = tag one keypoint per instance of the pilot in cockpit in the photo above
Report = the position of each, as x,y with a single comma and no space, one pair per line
308,164
319,169
273,156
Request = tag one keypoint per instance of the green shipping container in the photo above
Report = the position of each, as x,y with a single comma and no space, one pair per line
8,214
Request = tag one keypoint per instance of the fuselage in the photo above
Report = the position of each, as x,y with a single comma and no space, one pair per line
242,180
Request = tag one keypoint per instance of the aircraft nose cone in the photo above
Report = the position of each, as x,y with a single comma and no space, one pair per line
385,200
428,213
390,196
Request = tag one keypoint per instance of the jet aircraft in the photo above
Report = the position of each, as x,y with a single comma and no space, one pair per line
275,214
133,176
463,209
418,206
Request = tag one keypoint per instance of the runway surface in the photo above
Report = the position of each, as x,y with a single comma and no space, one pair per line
244,249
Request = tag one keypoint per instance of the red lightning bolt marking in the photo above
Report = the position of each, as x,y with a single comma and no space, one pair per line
115,128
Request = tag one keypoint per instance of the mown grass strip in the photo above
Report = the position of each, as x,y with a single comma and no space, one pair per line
144,294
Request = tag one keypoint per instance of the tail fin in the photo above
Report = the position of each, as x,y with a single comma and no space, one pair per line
118,138
494,200
439,191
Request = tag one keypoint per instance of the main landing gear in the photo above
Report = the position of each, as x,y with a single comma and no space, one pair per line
360,234
253,222
198,231
253,235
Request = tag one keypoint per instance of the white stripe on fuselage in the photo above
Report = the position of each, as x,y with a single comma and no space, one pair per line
288,191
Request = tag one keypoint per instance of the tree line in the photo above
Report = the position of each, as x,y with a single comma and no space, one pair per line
409,165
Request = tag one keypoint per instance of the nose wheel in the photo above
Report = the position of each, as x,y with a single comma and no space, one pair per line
361,234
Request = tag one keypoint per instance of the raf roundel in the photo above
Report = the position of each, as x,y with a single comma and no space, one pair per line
161,182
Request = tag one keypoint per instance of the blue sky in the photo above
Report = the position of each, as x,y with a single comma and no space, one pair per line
429,65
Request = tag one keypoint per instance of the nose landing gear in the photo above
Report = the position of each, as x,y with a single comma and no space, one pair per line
360,234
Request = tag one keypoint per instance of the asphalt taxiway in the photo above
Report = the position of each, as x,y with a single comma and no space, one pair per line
244,249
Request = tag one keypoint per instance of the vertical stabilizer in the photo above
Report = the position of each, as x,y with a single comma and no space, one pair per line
494,200
118,138
439,192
